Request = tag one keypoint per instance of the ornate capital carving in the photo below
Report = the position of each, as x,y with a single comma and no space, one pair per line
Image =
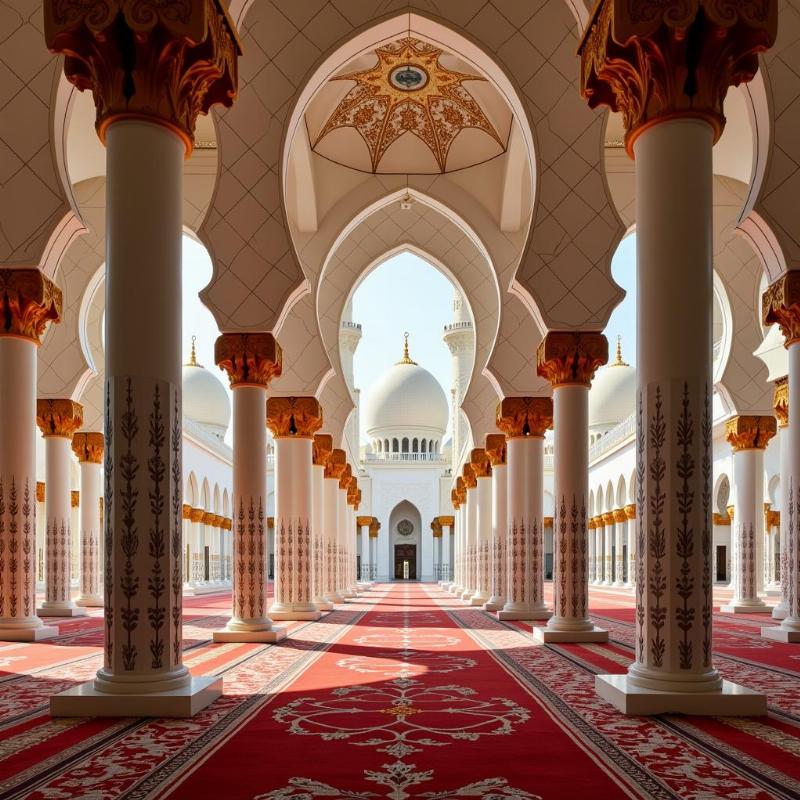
374,527
748,433
547,522
436,528
496,449
295,417
598,521
61,417
718,519
186,511
227,524
455,499
28,302
608,518
780,401
772,518
780,304
470,478
345,477
362,522
674,58
525,416
620,515
74,498
630,511
729,509
481,465
196,514
590,525
88,446
566,357
335,464
321,449
249,358
166,62
271,522
447,520
40,491
209,518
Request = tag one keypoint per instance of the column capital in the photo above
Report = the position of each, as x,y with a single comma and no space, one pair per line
436,528
620,515
335,464
447,519
321,449
470,479
571,357
28,301
209,518
294,417
196,515
60,417
630,511
40,491
271,522
455,499
152,61
88,446
481,465
524,416
374,527
773,518
657,61
718,519
780,401
749,432
598,521
608,518
250,359
74,498
345,477
729,509
781,303
362,522
496,449
186,511
590,524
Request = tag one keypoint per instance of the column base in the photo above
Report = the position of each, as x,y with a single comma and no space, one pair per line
19,634
271,636
747,607
467,595
324,605
61,611
551,636
85,701
519,614
781,611
781,634
335,598
89,601
618,584
478,599
732,700
494,603
291,614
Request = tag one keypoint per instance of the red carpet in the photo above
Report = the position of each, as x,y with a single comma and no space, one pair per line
403,693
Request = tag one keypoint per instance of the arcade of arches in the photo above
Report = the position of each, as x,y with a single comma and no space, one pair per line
569,576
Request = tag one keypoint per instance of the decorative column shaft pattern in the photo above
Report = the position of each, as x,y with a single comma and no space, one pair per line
497,451
591,537
28,301
524,421
482,468
88,447
569,361
251,360
293,422
667,73
620,536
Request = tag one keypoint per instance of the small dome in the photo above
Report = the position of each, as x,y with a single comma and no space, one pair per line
205,400
613,394
406,398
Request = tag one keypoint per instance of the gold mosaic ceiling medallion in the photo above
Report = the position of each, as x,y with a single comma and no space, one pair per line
409,91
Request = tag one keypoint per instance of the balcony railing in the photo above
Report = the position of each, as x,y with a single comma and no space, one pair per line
457,326
356,326
428,458
625,430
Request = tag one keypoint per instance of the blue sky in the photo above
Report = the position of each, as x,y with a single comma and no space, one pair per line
404,293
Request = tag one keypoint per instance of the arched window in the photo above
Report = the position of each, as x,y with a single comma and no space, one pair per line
385,445
424,445
379,445
430,446
395,448
415,446
436,447
405,444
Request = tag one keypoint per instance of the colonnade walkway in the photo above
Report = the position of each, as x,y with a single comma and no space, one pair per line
400,693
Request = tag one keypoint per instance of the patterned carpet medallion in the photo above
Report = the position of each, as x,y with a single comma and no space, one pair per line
402,693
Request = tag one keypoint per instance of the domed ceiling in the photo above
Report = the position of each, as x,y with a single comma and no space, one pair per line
408,106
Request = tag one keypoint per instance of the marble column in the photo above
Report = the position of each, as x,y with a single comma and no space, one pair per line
524,421
88,447
459,496
58,420
672,123
470,532
251,360
620,536
748,437
321,452
353,502
28,301
608,536
630,514
436,534
293,422
569,361
334,470
599,538
482,467
591,536
497,451
781,406
450,547
342,530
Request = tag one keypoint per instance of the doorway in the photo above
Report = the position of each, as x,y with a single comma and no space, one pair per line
405,562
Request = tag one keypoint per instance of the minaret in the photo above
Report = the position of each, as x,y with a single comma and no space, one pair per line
349,337
459,336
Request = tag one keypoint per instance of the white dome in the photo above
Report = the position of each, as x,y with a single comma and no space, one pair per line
205,400
406,398
613,395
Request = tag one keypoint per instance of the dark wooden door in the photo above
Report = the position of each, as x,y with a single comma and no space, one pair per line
403,553
722,562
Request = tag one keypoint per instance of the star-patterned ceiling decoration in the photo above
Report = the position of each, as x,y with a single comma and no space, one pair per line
409,91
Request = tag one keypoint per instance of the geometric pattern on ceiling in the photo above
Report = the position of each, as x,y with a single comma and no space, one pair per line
409,91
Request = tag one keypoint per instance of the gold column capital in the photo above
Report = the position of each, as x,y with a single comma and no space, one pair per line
88,446
620,515
496,449
571,357
547,522
40,491
773,518
335,464
749,432
447,519
196,515
481,465
780,401
186,511
524,416
250,359
374,527
780,304
470,479
630,511
675,58
59,417
590,524
271,522
28,301
436,528
164,62
718,519
729,509
321,449
294,417
227,524
75,498
455,500
345,477
608,518
362,521
209,518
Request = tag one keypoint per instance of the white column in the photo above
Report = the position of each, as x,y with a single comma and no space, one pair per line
569,361
470,534
456,587
483,534
748,437
781,404
630,513
88,447
28,290
608,549
334,468
591,542
323,447
497,450
58,420
251,361
343,527
599,538
620,536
